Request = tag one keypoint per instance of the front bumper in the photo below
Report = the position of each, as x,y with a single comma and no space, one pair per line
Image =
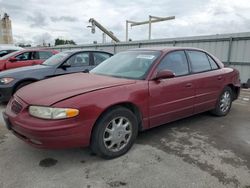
50,134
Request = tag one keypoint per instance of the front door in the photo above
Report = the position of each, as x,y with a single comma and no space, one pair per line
173,98
77,63
23,59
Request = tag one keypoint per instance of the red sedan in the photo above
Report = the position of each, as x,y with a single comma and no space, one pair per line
130,92
25,58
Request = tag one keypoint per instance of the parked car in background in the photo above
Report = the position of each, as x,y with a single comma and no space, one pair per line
25,58
6,49
129,92
62,63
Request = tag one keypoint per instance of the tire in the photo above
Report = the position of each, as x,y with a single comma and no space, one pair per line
109,139
224,102
22,84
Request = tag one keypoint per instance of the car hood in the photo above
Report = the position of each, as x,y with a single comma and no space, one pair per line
22,70
50,91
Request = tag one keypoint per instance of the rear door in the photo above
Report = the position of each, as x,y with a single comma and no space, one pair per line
208,80
23,59
99,57
173,98
78,62
42,56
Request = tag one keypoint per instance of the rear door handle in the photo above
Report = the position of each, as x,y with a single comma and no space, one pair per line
188,85
219,77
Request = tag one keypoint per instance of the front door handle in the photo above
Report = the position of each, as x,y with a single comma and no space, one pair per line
188,85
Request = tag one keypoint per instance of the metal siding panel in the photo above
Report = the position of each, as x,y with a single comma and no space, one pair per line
244,72
217,45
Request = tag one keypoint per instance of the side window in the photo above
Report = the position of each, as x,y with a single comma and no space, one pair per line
35,55
100,57
176,62
199,61
23,57
3,53
78,60
44,55
212,63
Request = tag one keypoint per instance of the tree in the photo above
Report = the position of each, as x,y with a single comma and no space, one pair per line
24,45
63,42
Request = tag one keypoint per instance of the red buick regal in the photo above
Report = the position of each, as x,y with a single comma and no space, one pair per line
129,92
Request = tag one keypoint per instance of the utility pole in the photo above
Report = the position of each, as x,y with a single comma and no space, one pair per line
152,19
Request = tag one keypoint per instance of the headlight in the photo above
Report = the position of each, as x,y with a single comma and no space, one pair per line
52,113
6,80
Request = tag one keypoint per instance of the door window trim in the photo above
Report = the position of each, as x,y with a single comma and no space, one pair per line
177,50
189,61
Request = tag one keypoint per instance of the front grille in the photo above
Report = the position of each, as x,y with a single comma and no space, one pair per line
16,107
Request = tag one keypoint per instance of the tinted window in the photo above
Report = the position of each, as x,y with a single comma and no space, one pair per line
199,61
3,53
212,63
23,56
176,62
44,55
100,57
79,59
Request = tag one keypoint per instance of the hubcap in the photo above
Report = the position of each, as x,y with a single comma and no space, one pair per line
225,101
117,134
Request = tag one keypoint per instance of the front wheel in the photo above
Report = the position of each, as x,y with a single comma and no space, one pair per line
224,102
114,133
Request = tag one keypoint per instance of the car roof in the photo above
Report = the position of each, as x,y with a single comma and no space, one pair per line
165,49
37,49
81,50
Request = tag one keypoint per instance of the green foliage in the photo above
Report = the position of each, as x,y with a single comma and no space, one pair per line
63,42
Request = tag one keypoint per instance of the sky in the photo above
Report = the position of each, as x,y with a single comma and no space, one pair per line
35,21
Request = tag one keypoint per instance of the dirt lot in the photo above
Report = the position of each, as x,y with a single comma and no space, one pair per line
201,151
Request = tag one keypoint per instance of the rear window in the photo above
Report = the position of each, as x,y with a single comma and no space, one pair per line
100,57
199,61
44,55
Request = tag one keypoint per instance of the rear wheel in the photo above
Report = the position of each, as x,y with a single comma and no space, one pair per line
114,133
224,102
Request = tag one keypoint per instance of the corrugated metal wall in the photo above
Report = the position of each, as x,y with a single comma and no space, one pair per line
232,49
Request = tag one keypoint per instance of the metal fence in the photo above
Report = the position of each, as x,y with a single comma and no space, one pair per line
232,49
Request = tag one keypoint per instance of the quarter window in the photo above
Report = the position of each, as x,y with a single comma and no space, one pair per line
175,62
212,63
199,61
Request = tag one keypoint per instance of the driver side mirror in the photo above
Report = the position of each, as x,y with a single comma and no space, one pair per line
13,59
163,74
66,65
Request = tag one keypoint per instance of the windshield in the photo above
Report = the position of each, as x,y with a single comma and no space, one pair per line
8,55
56,59
130,64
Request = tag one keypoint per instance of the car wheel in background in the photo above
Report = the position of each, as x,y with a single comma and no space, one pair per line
114,133
224,102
